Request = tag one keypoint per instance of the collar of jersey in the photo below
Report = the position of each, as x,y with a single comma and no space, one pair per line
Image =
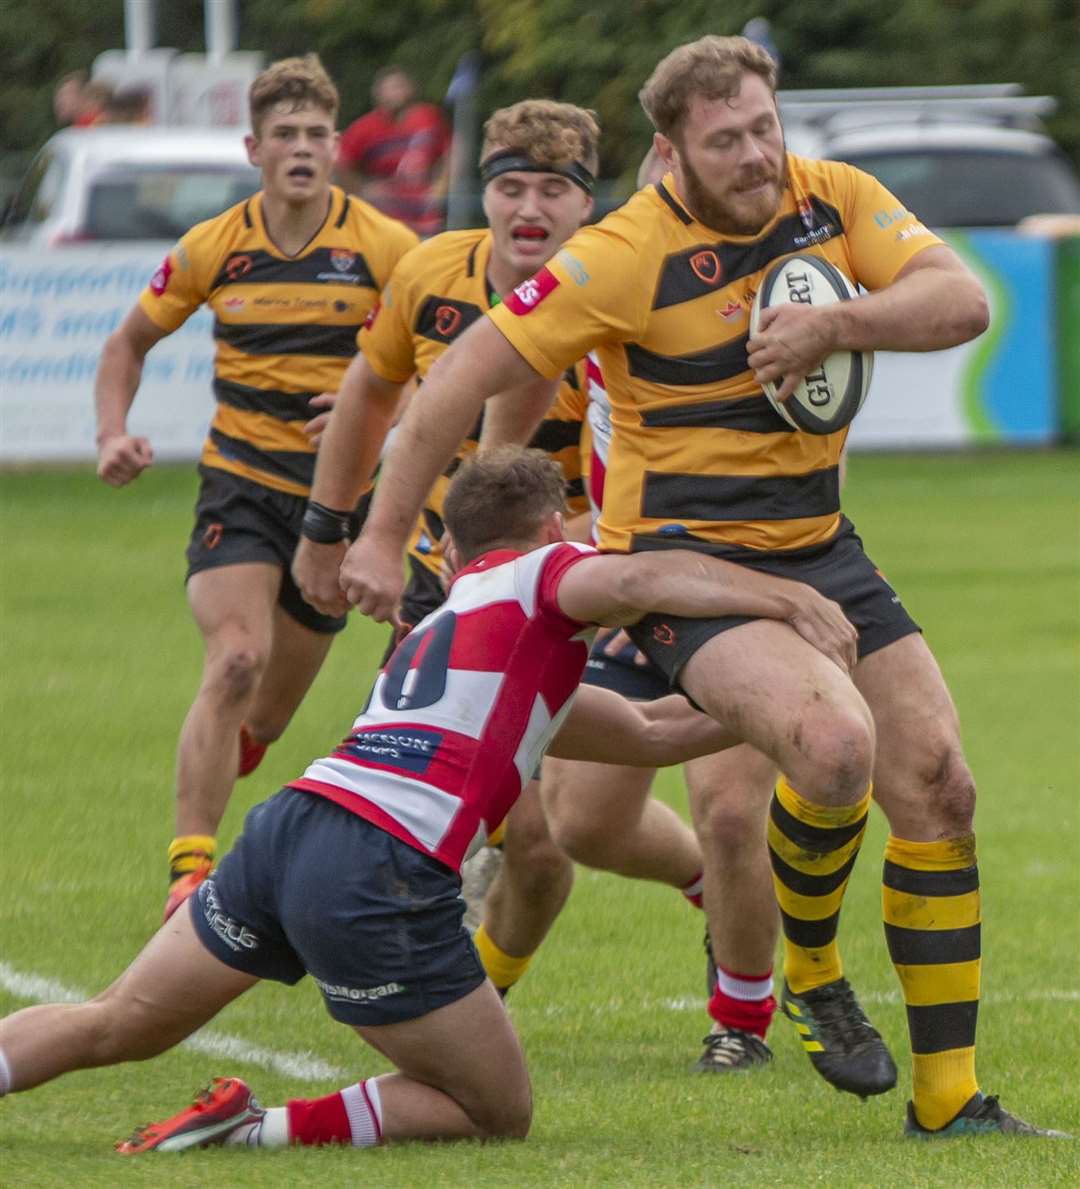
488,561
337,198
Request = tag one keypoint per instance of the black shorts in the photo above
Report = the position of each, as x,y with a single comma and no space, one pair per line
622,673
238,521
839,569
311,888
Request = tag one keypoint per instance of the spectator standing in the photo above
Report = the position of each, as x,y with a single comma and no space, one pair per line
394,155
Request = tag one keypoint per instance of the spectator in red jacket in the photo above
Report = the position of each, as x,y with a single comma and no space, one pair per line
394,155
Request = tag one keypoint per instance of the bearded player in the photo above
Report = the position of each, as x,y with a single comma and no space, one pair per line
700,459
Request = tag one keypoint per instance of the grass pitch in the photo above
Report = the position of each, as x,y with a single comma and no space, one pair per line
101,661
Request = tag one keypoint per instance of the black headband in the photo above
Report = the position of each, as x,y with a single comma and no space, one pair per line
513,161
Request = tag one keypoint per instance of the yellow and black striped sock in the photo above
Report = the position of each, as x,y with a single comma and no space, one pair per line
502,968
813,849
190,852
930,902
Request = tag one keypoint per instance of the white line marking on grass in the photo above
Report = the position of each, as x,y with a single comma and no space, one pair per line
303,1066
1049,996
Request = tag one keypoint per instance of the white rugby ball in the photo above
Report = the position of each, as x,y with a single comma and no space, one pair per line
828,398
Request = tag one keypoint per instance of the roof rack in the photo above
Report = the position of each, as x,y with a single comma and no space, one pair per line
840,95
1003,104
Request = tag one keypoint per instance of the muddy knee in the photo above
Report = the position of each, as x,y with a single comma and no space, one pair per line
234,673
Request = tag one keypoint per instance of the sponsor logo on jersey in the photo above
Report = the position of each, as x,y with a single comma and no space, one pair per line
238,266
160,280
234,303
815,235
529,294
343,994
341,259
912,232
235,935
352,278
578,273
410,750
730,311
887,218
212,536
447,321
706,266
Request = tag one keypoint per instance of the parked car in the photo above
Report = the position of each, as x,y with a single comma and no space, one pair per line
957,156
127,183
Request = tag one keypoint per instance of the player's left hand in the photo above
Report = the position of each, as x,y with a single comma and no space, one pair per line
791,341
314,428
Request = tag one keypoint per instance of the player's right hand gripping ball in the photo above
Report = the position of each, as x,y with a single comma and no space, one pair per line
827,399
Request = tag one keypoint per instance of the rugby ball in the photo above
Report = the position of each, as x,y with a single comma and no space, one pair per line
828,398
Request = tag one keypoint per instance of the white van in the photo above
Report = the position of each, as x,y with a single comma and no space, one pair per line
88,185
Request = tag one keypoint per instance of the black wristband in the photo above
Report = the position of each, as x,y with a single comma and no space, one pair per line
325,526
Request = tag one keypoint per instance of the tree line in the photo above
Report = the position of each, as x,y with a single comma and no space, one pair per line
595,54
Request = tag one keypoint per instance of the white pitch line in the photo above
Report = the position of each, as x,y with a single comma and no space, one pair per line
685,1003
303,1066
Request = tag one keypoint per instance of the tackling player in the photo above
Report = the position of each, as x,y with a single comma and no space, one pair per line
661,290
290,276
351,872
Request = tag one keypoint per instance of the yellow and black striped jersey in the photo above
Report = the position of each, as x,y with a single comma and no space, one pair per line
698,456
436,293
285,327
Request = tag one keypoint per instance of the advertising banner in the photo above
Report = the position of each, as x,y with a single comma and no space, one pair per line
57,308
1000,389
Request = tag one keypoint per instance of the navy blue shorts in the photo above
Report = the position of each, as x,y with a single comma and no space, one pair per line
839,569
310,888
622,673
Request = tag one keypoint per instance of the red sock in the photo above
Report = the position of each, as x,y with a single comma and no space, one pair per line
743,1001
352,1116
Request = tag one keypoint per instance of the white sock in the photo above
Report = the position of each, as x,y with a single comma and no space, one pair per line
271,1131
5,1075
363,1104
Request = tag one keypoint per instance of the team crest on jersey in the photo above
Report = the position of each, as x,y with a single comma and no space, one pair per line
159,282
447,321
806,212
341,259
529,294
706,266
238,266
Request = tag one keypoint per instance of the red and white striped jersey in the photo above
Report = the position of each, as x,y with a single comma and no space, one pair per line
458,719
599,417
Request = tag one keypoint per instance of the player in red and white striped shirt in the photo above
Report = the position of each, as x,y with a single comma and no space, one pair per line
350,874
